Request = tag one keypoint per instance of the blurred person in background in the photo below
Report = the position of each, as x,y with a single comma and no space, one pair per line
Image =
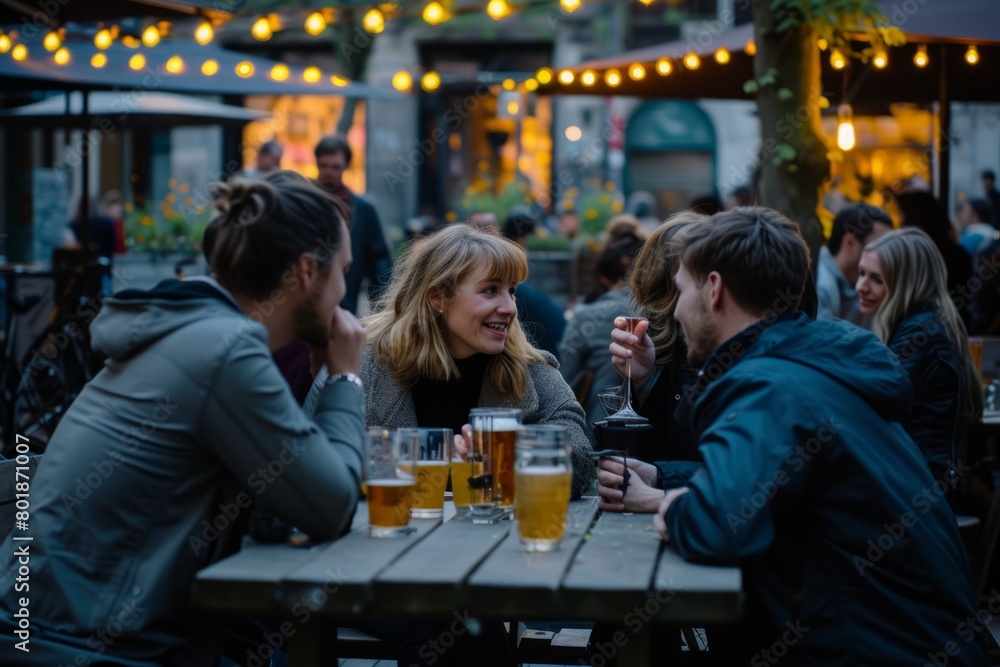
642,205
708,204
989,180
976,232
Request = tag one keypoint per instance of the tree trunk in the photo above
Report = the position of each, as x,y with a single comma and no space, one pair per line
794,163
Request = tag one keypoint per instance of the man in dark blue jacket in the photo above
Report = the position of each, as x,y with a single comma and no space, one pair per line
850,554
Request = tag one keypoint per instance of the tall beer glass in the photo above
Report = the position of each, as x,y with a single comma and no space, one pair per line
434,446
495,438
390,475
544,473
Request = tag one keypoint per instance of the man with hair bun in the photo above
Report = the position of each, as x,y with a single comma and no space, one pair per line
150,475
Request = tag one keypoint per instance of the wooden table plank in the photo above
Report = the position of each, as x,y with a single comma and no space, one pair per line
337,581
613,570
429,580
692,593
537,575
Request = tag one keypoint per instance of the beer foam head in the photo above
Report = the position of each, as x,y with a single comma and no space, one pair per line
505,424
543,471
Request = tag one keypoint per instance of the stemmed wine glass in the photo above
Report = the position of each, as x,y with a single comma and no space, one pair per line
626,415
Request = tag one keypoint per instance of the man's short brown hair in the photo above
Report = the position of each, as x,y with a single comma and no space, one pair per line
759,253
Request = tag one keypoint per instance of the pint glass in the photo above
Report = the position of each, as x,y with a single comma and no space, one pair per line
494,435
390,475
544,473
434,447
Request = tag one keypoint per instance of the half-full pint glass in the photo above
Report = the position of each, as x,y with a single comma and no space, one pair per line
544,472
390,475
434,446
494,435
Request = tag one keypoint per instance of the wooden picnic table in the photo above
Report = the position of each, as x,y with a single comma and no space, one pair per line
613,569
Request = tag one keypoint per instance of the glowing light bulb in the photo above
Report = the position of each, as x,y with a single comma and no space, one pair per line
315,23
664,66
544,75
175,64
402,81
573,133
637,72
19,52
103,39
434,13
339,81
837,59
204,33
692,61
131,42
98,60
920,58
137,61
244,69
881,59
151,36
209,67
972,55
845,127
513,108
509,84
498,9
4,43
612,77
261,29
566,77
279,72
61,56
588,78
822,44
52,41
374,21
721,56
570,5
430,81
312,74
751,48
531,85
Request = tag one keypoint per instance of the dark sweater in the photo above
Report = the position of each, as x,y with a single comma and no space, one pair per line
446,403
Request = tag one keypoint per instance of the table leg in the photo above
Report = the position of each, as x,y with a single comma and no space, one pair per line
638,652
314,645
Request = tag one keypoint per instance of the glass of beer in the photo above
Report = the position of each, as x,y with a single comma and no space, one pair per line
434,446
461,495
390,475
544,472
496,435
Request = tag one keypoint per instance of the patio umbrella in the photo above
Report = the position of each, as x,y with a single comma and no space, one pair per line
152,108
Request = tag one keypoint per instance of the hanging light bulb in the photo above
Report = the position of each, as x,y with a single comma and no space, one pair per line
920,58
311,74
137,61
822,44
646,2
98,60
566,77
374,21
636,72
837,59
612,77
204,33
664,66
315,23
692,61
845,127
721,55
972,55
339,81
430,81
209,67
279,72
544,75
751,48
103,39
261,29
61,56
151,36
175,64
508,84
434,13
19,52
4,43
244,69
531,85
402,81
498,9
52,41
881,59
570,5
588,78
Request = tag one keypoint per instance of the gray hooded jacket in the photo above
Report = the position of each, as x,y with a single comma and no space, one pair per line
148,477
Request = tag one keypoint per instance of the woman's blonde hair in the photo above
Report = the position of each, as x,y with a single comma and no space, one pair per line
407,335
653,286
915,280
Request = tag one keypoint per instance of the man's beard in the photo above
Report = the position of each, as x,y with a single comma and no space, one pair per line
309,326
700,338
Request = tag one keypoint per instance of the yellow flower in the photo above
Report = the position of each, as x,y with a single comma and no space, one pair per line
591,214
146,220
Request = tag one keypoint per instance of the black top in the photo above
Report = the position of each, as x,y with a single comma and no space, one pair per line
446,403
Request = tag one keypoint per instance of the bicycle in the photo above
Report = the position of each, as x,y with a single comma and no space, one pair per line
39,388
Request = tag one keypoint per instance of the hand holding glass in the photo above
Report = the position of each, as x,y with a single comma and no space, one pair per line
626,415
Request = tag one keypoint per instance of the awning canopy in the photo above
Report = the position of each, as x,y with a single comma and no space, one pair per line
946,29
39,70
159,108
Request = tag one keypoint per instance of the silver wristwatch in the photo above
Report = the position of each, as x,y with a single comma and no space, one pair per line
348,377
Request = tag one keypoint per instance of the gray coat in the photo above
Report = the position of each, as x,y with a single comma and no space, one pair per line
548,400
151,470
